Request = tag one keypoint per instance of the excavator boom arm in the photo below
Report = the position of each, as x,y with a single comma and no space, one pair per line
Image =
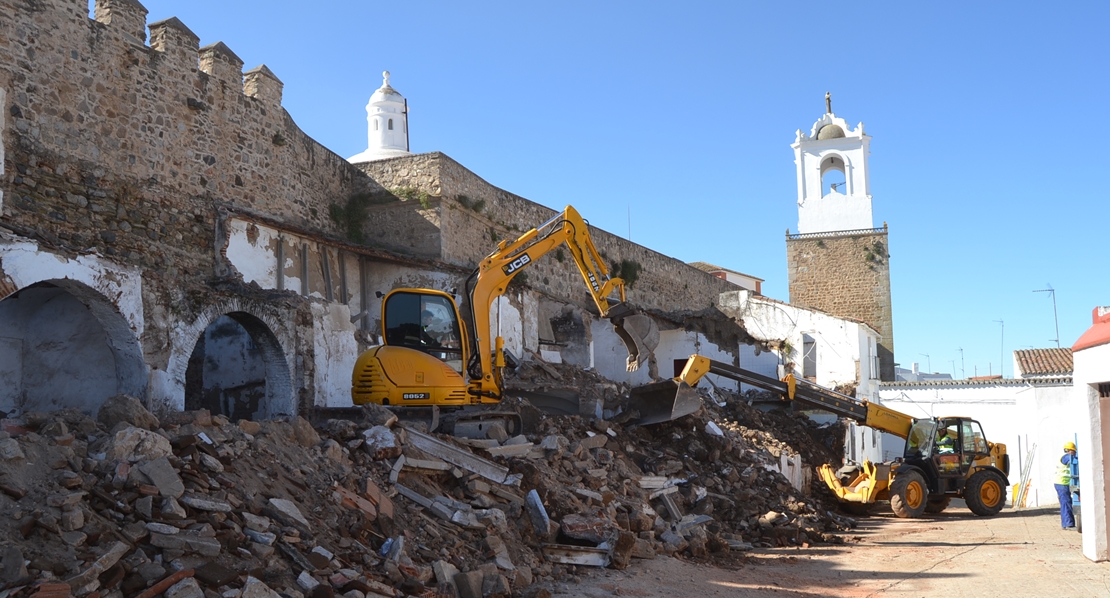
511,257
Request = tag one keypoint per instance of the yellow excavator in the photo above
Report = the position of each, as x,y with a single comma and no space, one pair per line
434,356
945,457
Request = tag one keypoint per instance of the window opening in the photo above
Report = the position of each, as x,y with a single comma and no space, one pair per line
809,357
391,124
833,176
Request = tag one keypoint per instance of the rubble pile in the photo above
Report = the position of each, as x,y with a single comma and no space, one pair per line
197,506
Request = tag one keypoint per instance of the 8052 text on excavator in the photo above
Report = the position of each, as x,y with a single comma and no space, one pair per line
434,354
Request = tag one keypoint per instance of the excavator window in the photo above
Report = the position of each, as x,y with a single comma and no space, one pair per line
426,323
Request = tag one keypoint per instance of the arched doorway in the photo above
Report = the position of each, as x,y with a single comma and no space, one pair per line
63,344
238,369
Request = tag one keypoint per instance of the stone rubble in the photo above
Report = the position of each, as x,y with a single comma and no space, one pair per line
197,506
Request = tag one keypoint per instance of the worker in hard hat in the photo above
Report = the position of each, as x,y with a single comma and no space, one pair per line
1063,485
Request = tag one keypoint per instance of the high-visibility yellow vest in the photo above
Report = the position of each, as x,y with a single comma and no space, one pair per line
1063,473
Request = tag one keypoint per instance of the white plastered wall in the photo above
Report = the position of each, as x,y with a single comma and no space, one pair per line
819,211
839,343
1092,366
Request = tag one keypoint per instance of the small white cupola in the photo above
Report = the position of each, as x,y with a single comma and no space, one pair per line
834,193
387,116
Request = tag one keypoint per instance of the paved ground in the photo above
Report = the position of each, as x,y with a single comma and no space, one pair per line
954,554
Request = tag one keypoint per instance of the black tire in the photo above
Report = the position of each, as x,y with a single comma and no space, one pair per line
937,505
985,493
909,494
857,509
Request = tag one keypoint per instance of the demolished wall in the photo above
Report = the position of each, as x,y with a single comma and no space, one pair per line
119,157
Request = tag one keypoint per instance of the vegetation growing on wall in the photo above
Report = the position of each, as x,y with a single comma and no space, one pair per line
349,217
411,193
475,205
875,253
627,270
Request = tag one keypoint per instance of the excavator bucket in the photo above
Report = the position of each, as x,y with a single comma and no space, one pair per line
640,336
663,401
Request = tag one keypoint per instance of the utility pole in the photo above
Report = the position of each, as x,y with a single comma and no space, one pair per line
1052,292
1002,349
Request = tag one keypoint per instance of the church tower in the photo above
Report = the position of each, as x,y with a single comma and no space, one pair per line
387,116
838,262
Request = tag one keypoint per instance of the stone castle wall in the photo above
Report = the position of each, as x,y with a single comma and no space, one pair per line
847,276
474,215
120,147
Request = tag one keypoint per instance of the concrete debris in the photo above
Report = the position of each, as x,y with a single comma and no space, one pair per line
128,410
136,444
201,506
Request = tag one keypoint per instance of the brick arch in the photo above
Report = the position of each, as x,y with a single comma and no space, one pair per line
266,330
66,345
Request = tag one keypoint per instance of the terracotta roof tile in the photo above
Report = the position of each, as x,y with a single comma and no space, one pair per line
1044,362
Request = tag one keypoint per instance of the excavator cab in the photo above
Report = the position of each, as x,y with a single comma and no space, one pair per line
425,321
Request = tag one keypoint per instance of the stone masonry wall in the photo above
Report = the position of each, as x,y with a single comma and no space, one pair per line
129,151
474,215
847,276
123,148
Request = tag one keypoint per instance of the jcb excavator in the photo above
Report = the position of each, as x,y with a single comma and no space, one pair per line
934,468
426,345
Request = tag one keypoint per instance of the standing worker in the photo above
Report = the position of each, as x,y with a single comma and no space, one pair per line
1063,486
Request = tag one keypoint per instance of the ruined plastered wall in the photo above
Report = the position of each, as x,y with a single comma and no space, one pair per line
847,276
125,151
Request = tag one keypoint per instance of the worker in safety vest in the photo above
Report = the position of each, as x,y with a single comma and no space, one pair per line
1063,486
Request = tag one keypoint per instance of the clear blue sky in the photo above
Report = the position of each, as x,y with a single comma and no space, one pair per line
674,122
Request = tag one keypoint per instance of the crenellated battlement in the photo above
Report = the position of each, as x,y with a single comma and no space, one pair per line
178,45
169,123
127,15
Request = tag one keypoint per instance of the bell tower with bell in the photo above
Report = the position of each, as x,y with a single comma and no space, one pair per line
834,192
838,262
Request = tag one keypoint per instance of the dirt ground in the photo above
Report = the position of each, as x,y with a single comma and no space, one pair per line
953,554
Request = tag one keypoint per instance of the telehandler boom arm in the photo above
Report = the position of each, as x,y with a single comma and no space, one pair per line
800,391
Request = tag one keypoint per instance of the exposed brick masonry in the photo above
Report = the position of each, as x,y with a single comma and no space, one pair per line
847,276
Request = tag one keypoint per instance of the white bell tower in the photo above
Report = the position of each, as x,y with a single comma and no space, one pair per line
833,189
387,117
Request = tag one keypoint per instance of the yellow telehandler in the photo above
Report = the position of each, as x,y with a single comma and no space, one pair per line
934,468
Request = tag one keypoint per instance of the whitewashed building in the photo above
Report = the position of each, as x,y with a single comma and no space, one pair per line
1091,396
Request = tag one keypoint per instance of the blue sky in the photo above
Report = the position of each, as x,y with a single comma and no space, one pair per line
673,123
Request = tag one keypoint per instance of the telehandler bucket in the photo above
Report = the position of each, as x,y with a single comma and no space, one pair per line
663,401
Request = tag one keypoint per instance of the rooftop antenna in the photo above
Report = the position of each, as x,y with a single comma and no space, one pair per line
1002,349
928,360
1052,292
963,372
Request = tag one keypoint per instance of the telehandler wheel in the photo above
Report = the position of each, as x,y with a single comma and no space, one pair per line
985,493
936,505
908,495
